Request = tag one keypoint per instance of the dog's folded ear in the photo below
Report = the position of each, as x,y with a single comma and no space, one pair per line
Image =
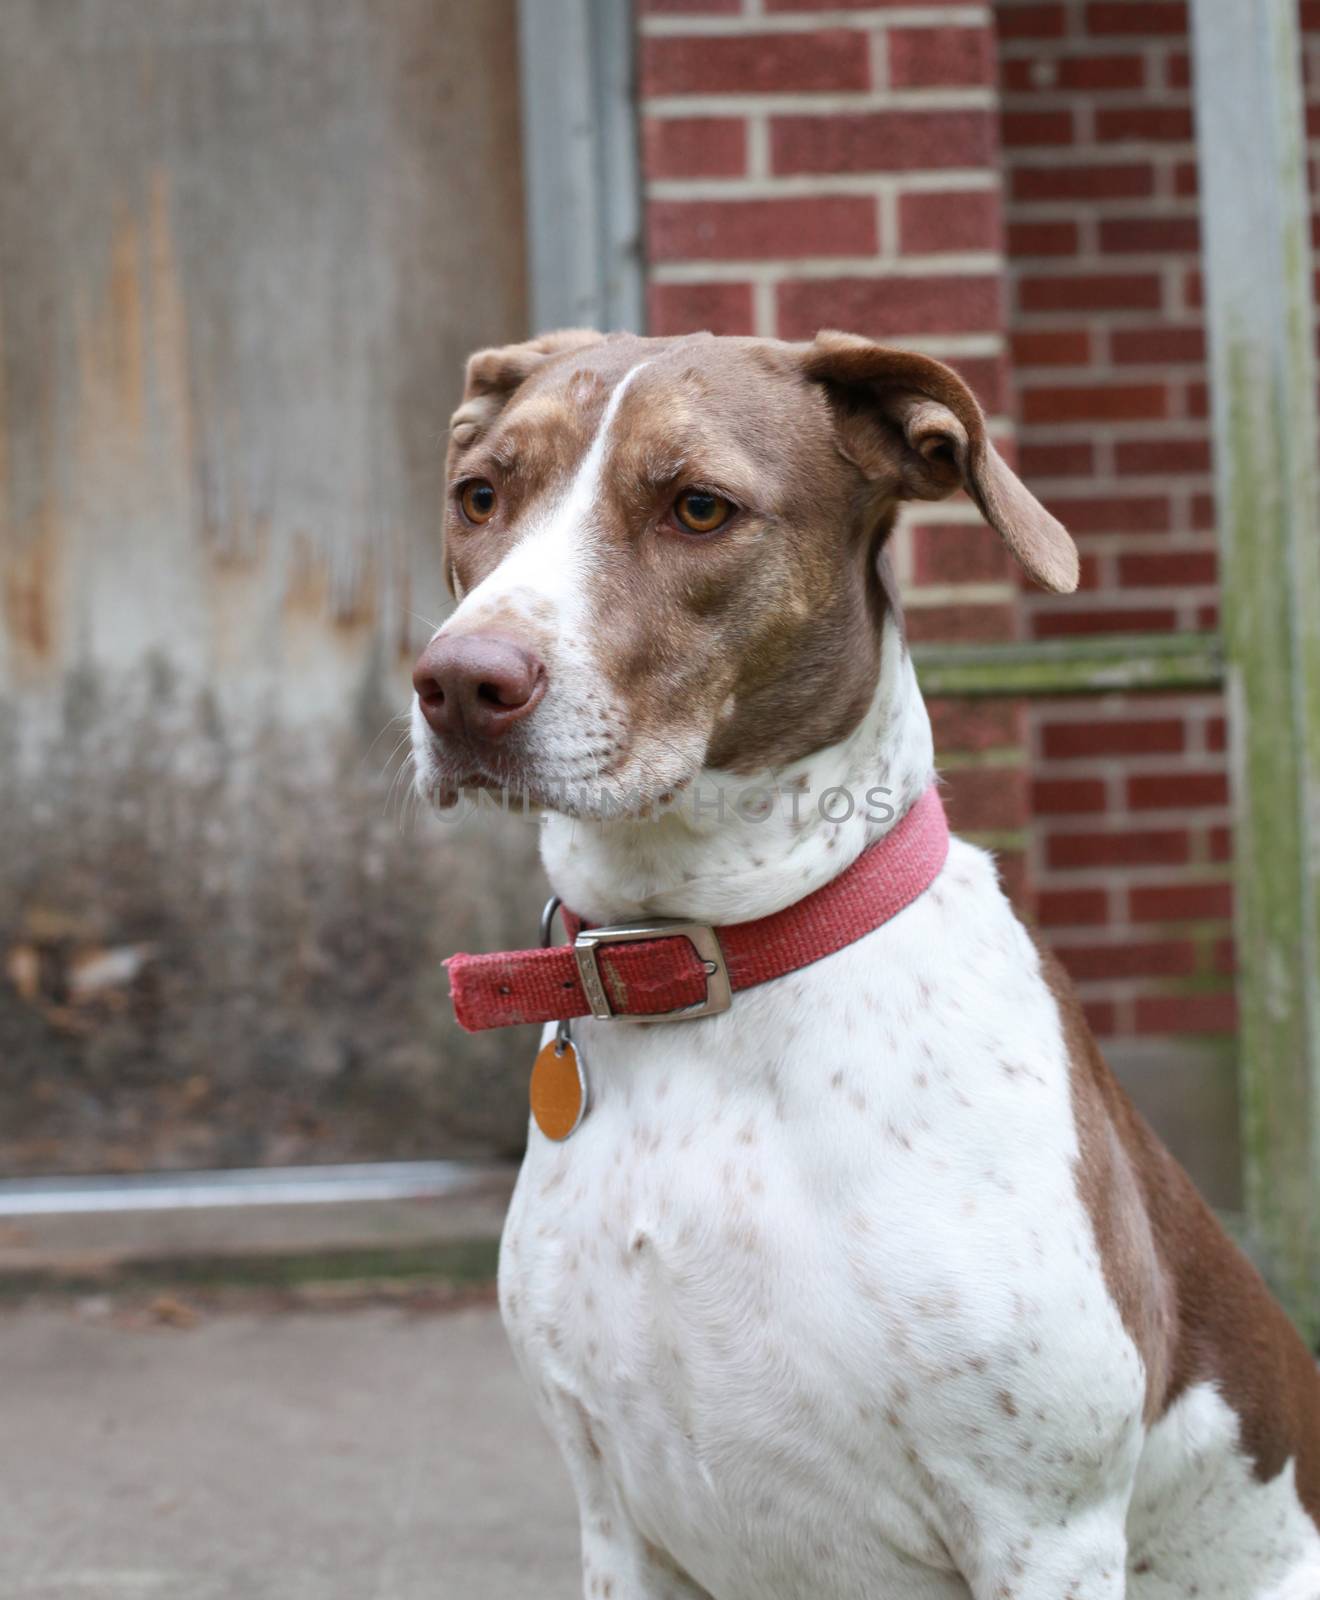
493,375
905,418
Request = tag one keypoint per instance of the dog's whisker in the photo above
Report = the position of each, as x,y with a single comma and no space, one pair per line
400,717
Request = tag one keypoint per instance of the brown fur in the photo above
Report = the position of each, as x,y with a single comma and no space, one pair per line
1194,1305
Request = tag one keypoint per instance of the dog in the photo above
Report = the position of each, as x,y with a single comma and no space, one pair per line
872,1284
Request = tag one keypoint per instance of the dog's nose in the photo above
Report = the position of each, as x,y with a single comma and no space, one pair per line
477,685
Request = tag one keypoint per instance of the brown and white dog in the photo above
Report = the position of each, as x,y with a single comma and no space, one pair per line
874,1285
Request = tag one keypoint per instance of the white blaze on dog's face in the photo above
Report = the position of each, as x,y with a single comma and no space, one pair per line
669,555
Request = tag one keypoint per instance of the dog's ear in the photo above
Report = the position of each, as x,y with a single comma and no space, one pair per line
907,420
494,374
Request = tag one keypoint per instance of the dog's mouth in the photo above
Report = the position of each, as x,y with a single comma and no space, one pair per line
588,783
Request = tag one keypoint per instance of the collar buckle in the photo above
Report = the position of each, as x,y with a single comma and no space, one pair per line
700,935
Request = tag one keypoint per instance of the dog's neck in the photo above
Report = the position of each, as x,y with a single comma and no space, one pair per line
713,858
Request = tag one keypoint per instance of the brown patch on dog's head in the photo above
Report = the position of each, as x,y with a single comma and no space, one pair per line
493,376
748,647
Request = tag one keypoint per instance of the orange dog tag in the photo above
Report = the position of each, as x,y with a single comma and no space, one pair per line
559,1089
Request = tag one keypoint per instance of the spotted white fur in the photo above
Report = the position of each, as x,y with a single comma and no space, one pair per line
810,1301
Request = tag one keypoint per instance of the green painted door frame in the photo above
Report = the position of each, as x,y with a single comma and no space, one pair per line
1256,243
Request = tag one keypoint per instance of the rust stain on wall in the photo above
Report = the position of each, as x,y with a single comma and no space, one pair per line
29,622
234,305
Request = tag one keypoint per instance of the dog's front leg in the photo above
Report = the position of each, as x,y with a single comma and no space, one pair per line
619,1564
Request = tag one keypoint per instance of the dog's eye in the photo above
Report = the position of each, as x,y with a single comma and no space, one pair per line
477,500
699,511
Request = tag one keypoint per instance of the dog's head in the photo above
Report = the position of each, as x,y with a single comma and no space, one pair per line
669,555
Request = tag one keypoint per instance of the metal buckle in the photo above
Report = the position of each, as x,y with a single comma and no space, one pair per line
719,991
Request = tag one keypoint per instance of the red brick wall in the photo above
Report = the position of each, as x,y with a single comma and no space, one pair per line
808,170
1130,844
820,162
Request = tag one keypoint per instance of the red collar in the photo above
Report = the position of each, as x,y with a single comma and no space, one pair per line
686,969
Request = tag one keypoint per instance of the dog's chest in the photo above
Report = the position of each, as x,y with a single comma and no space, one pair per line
824,1254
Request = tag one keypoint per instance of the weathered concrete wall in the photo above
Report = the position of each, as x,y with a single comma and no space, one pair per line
244,248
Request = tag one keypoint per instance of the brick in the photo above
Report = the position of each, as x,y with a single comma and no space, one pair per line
1131,346
1178,568
887,307
1180,791
1075,459
687,7
831,60
1130,959
1187,1013
1042,239
1220,842
1148,17
1197,401
883,141
1019,129
929,224
931,58
1186,179
1067,796
986,799
752,230
1194,287
1092,292
694,147
1133,619
1052,347
1202,514
1181,902
961,624
1178,70
1216,733
1063,741
1070,73
1113,513
976,725
1030,21
696,307
1131,848
1127,182
1171,124
1072,908
1095,402
1162,455
957,552
1131,235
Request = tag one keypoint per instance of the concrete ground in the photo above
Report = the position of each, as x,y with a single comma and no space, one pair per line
375,1453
